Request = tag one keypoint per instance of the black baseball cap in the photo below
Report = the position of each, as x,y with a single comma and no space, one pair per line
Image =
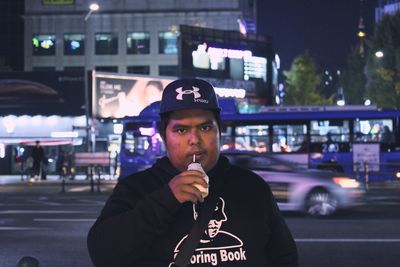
188,93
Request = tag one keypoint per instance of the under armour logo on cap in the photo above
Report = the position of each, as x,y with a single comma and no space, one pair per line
194,91
188,93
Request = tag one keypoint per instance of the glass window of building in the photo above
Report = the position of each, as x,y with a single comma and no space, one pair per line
74,68
289,138
138,43
167,43
44,69
106,44
44,44
168,70
252,138
138,69
74,44
107,68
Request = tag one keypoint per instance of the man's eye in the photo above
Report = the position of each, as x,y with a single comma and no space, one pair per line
206,128
181,131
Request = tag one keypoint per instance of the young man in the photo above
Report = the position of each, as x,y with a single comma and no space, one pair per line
149,215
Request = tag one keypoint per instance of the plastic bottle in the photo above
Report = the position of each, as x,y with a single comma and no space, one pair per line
195,166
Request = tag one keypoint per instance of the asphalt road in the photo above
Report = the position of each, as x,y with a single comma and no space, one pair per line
53,228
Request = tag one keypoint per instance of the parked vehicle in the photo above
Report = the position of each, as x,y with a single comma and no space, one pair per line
316,192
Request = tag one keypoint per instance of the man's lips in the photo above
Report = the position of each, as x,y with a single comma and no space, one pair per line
199,155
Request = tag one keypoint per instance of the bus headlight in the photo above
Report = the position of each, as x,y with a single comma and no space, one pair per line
398,175
346,182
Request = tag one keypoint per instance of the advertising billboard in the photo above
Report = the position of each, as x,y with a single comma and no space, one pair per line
227,55
117,95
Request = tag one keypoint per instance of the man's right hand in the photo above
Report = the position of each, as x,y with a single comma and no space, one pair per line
182,186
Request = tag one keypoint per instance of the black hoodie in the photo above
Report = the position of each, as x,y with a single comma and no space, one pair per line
143,224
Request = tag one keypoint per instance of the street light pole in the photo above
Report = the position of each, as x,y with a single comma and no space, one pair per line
93,7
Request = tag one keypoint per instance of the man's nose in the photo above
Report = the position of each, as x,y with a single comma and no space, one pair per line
194,137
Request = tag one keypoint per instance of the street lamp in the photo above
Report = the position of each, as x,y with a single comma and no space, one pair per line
379,54
92,8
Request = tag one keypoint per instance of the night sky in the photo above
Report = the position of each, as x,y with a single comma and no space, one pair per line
326,28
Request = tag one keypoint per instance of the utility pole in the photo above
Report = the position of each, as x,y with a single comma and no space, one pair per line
92,8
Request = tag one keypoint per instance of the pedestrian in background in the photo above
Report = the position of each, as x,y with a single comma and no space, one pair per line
37,155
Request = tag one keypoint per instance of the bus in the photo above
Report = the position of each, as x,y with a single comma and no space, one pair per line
359,140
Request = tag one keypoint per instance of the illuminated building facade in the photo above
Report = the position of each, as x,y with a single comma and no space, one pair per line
137,37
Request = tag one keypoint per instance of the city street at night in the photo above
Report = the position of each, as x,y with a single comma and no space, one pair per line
52,227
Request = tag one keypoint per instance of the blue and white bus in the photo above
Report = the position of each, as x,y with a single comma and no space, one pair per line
353,139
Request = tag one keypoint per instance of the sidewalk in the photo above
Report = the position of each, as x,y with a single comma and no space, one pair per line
53,184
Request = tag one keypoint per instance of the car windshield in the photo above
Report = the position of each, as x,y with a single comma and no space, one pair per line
261,161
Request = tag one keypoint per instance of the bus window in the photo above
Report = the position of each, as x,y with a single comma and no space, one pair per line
289,138
136,144
371,130
375,130
330,136
252,138
141,139
226,138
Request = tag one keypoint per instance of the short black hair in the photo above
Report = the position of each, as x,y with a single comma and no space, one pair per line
165,117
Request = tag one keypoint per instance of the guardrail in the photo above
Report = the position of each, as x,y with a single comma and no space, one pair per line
94,163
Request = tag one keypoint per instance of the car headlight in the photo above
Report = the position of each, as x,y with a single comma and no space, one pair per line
346,182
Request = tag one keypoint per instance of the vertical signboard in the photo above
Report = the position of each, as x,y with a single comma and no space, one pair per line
366,154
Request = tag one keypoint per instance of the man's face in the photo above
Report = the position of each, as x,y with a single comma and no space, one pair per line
192,131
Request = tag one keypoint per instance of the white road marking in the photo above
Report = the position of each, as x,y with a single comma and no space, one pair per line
89,201
45,202
63,220
15,228
349,240
42,211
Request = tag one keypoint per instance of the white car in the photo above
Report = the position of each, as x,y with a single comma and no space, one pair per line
315,192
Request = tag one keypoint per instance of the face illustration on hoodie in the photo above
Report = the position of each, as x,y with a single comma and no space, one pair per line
216,220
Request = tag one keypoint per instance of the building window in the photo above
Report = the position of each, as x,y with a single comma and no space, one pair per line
107,68
168,70
48,69
106,44
167,43
138,69
74,68
138,43
44,44
74,44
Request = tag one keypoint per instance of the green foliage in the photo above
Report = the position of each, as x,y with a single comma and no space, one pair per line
302,81
353,78
383,74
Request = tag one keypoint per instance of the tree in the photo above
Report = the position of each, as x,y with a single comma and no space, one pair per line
302,81
383,73
353,78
